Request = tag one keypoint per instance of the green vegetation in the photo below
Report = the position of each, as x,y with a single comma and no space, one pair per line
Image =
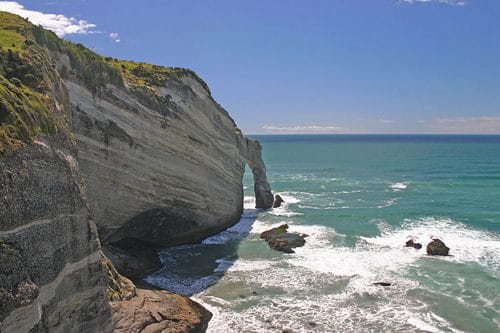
32,62
141,74
11,31
25,75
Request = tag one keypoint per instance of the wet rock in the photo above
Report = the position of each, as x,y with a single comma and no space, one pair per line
437,248
278,200
280,239
411,243
382,284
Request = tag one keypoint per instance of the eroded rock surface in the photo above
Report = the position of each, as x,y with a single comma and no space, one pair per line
141,150
280,239
133,259
154,311
263,195
167,174
50,273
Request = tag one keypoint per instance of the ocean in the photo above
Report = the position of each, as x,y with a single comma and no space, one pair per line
359,198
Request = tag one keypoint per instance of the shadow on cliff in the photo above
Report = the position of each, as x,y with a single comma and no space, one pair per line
189,269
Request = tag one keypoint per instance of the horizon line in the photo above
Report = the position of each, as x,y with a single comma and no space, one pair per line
465,134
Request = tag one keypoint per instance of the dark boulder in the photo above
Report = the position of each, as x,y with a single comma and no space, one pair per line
278,200
411,243
437,248
280,239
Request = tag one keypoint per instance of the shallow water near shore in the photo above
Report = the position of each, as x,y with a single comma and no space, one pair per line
359,198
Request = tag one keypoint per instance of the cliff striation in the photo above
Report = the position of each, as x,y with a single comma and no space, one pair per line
98,151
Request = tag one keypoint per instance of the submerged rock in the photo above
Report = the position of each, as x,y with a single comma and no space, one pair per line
437,248
411,243
280,239
278,200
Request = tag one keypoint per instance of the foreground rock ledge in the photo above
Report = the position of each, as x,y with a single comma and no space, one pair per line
149,310
158,311
280,239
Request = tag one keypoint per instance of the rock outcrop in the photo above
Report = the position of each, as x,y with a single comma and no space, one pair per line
51,279
142,151
135,310
164,174
158,311
437,248
280,239
263,195
164,164
133,259
411,243
278,200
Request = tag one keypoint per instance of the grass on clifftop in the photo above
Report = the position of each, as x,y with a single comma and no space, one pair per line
32,63
140,73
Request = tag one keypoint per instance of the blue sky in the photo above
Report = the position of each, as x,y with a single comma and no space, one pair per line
312,66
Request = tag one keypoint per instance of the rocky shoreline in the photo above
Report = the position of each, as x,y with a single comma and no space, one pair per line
103,155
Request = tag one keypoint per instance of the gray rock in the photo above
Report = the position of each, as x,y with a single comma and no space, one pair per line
50,272
278,200
263,195
437,248
168,175
133,259
148,172
411,243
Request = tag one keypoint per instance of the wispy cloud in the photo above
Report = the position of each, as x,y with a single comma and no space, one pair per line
114,36
61,25
302,129
470,125
446,2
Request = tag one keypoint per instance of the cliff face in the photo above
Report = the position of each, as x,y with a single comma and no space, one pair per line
166,175
51,277
165,162
143,151
50,264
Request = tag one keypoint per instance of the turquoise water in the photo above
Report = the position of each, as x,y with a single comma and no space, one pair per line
359,198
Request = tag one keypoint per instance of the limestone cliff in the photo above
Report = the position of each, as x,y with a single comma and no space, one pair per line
142,151
166,173
51,277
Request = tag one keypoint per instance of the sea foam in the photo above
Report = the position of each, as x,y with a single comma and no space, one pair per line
328,281
398,186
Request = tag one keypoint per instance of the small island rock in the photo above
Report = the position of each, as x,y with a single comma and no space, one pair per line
280,239
411,243
437,248
278,200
